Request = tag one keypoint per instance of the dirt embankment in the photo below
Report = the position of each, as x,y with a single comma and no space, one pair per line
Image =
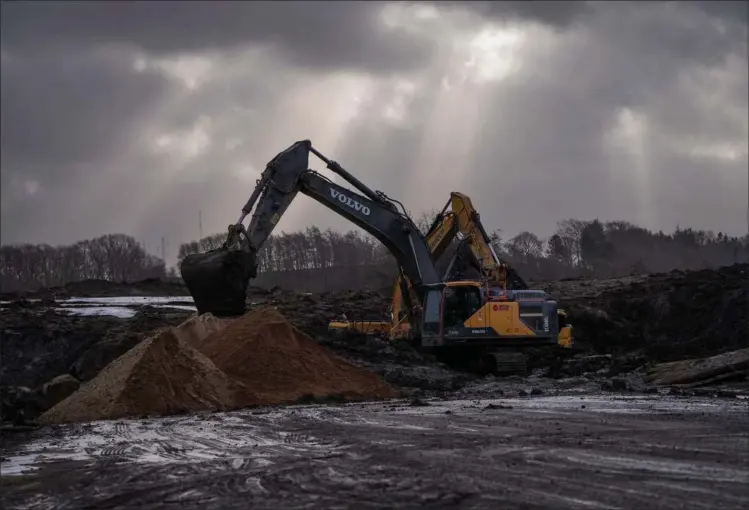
631,322
38,344
664,317
281,364
256,359
104,288
161,375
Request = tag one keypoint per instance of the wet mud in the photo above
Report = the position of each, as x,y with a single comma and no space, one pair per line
588,428
103,288
571,452
623,327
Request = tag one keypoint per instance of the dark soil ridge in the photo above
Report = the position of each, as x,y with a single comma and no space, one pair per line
638,321
104,288
668,316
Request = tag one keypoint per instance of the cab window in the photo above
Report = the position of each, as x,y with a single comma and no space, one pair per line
460,304
432,312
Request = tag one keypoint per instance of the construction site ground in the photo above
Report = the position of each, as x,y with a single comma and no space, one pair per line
616,424
572,452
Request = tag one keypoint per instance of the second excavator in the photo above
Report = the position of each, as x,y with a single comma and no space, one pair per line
443,317
457,219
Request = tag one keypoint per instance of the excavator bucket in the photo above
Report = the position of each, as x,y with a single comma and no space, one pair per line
217,280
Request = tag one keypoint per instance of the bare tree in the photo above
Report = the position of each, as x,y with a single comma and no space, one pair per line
570,231
426,219
114,257
577,247
525,246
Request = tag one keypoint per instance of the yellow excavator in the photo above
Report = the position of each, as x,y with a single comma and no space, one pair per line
473,320
459,219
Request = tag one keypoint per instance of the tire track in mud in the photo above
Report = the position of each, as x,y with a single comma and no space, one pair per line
315,457
222,456
235,441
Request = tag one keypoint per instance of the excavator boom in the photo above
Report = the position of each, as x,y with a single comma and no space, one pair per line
217,280
458,218
443,316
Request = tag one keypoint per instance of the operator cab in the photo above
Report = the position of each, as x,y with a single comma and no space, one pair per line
496,294
460,303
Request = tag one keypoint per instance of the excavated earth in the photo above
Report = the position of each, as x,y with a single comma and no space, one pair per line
577,452
456,441
622,325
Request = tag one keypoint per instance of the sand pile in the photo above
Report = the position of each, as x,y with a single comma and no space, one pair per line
257,359
161,375
280,364
197,328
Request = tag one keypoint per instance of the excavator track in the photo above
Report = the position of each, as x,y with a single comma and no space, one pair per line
509,363
500,363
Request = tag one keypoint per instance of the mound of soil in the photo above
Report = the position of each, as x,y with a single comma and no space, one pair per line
635,321
259,358
39,344
281,364
668,316
195,330
732,365
161,375
313,312
104,288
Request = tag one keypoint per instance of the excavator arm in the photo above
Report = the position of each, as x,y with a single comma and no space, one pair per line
441,233
494,269
459,218
218,279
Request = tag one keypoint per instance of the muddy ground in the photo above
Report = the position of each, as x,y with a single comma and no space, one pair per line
103,288
540,446
574,452
621,325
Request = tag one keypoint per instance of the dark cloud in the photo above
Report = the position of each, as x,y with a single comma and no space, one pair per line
311,33
81,131
80,121
314,34
65,120
731,10
553,13
672,34
661,65
72,106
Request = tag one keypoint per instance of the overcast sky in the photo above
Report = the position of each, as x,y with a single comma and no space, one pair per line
132,117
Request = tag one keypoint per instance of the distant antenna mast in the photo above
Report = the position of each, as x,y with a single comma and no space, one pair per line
163,248
200,227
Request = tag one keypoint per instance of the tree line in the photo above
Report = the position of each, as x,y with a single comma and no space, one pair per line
115,257
576,248
618,248
306,249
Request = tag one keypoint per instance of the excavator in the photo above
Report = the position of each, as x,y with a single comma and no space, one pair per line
457,219
450,318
